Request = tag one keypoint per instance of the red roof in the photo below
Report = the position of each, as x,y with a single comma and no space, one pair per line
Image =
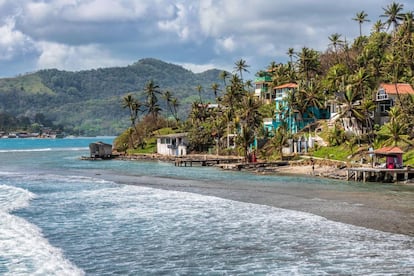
403,88
389,150
287,85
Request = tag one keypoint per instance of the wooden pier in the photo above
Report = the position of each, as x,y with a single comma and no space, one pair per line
254,166
380,174
189,162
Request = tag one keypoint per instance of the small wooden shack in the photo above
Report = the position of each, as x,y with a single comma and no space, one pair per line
172,144
100,150
393,156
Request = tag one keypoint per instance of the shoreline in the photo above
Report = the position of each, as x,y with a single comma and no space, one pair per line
359,206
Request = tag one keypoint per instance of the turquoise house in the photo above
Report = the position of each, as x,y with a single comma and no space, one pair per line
292,118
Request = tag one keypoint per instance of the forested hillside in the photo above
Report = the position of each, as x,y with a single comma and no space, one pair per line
90,102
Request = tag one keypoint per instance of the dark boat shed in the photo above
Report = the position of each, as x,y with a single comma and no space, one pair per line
100,150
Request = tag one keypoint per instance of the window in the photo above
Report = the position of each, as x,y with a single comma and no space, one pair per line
384,107
381,95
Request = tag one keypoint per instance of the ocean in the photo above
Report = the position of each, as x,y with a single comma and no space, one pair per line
60,215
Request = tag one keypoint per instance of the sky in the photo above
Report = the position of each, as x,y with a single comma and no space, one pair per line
78,35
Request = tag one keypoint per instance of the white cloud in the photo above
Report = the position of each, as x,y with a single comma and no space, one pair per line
227,44
82,34
183,23
38,12
266,49
12,41
105,10
197,68
55,55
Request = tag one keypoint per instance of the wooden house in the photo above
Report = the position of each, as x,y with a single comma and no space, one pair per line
100,150
392,155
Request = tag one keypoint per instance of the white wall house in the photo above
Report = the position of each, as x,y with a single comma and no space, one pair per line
172,144
386,96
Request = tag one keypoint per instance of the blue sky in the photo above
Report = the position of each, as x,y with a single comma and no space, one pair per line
84,34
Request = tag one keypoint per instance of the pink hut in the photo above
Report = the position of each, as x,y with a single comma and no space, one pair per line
393,156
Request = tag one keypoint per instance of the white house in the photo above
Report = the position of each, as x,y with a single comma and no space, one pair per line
172,144
386,96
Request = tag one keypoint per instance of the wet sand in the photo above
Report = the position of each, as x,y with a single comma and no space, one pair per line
389,209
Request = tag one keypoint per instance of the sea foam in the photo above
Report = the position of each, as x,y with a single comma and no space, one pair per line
26,252
12,198
23,249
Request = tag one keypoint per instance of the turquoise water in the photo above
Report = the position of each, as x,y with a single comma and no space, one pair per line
63,216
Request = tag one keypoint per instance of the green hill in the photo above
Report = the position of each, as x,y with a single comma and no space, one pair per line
90,101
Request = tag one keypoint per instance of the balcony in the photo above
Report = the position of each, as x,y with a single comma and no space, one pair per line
382,97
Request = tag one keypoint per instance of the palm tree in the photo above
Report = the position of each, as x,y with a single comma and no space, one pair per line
396,129
335,40
404,42
280,138
250,121
175,104
272,67
199,90
151,90
378,26
241,66
367,108
249,85
167,96
234,94
360,18
224,75
287,113
309,63
361,81
335,77
312,98
134,107
336,135
393,70
215,87
290,53
350,108
394,15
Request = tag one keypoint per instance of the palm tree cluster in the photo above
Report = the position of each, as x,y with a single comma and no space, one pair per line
235,114
349,74
150,110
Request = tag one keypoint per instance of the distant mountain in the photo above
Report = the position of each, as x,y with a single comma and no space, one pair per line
91,101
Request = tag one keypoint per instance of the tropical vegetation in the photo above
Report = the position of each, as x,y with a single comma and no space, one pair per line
87,102
347,73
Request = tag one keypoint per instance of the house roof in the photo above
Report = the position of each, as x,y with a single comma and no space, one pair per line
389,150
402,88
287,85
100,143
173,135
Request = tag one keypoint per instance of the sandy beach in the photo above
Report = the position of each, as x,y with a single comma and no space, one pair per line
389,209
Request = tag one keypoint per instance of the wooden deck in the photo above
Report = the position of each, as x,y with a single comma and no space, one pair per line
380,174
256,166
189,162
228,163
